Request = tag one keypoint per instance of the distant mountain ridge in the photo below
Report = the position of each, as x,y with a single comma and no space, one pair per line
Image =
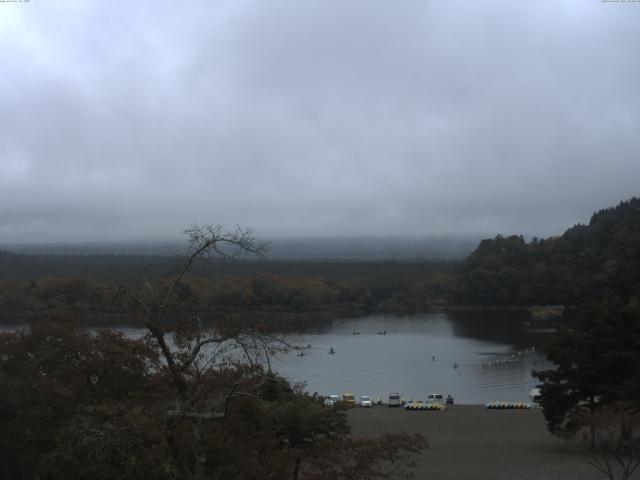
582,265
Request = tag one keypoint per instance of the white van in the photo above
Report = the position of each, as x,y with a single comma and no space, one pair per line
435,398
394,399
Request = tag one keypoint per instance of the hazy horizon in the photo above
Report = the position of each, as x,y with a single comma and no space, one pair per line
309,248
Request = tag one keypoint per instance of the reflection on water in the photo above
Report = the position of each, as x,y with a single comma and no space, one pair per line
475,359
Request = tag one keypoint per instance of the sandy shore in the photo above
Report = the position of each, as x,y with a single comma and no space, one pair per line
471,442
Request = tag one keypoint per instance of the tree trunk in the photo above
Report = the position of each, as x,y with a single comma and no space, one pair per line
296,469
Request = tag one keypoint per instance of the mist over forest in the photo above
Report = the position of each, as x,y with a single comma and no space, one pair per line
348,249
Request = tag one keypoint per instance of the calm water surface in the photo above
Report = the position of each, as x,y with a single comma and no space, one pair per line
494,357
494,354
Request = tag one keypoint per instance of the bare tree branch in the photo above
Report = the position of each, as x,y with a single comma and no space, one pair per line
205,242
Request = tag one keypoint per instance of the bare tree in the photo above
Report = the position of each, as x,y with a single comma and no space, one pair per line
611,440
187,347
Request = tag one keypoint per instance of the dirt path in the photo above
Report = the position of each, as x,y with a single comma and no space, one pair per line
471,442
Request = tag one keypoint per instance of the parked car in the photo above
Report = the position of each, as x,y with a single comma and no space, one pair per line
435,398
349,399
394,399
331,400
366,401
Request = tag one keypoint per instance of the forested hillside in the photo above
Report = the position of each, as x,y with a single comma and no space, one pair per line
582,265
35,286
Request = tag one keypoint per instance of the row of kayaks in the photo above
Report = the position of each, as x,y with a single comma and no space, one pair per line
424,406
508,405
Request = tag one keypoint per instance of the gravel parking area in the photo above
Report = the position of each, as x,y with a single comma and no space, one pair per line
472,442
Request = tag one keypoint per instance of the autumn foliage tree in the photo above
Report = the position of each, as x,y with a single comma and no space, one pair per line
51,373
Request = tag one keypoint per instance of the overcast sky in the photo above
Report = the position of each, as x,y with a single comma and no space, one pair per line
133,119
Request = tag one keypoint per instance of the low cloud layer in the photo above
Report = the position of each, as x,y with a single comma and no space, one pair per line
133,120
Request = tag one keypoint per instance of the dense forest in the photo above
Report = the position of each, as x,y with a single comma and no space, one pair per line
582,265
35,285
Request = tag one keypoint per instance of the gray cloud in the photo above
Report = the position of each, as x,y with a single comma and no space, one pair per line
315,118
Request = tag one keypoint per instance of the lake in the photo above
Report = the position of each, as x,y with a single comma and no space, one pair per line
475,358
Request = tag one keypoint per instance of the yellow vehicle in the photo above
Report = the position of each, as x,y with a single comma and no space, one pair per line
349,399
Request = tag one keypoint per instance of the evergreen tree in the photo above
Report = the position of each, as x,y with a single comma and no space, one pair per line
597,358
